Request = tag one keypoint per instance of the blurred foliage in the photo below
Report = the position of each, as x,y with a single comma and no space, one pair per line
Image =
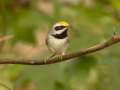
92,21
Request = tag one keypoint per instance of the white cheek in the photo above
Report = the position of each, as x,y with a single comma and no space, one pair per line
56,32
59,32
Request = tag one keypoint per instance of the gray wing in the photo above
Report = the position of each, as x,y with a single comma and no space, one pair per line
46,41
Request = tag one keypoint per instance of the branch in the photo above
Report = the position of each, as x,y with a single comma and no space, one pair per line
5,38
114,39
5,86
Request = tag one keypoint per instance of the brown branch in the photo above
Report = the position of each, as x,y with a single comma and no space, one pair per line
5,38
115,39
5,86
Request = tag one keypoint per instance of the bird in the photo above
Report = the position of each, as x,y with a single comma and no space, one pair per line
57,39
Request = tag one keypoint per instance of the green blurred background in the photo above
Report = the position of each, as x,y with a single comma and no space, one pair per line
92,22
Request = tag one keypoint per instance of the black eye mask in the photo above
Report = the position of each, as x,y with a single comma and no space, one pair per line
59,27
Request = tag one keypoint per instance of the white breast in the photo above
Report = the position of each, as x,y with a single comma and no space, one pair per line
57,45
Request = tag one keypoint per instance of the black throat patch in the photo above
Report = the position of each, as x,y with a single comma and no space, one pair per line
61,36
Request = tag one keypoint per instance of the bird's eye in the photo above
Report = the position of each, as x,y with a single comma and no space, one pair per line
59,28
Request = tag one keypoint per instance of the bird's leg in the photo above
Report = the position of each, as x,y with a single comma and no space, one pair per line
45,60
61,56
52,55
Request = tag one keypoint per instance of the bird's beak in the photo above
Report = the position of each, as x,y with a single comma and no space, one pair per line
67,27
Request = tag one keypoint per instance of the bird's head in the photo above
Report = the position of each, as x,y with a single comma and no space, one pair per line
60,27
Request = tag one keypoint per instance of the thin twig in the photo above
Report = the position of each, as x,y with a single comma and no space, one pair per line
5,38
5,86
115,39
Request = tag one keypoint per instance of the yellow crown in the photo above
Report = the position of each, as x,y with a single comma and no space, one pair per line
64,23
